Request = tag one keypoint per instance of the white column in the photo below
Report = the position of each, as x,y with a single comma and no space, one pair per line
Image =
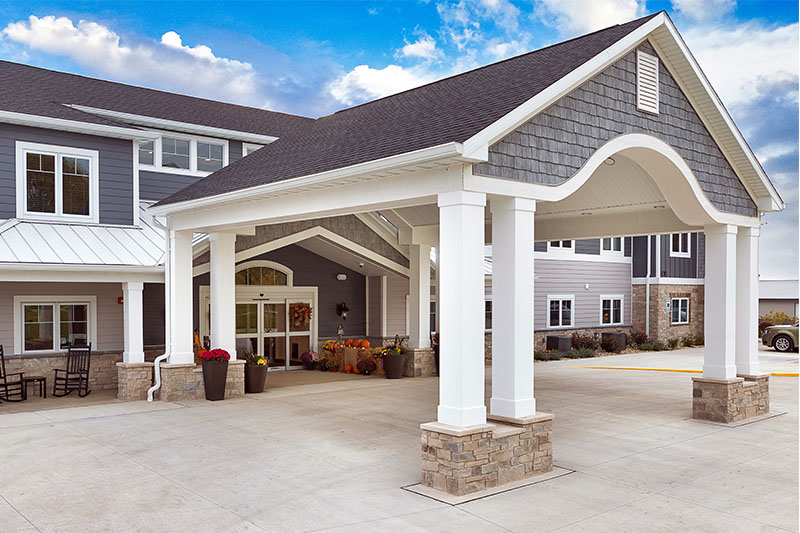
461,241
512,307
223,292
747,301
438,287
179,297
133,328
720,302
420,296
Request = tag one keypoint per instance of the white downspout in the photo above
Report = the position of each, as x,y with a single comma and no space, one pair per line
647,289
162,357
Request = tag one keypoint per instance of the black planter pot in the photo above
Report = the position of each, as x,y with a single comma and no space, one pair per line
309,366
255,377
436,357
393,365
214,375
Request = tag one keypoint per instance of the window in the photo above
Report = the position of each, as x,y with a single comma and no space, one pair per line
147,153
56,182
260,275
612,244
560,244
610,310
560,309
209,157
646,83
52,323
679,307
249,148
679,245
174,153
177,153
487,315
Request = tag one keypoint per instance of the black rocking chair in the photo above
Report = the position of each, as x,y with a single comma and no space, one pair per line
10,384
76,375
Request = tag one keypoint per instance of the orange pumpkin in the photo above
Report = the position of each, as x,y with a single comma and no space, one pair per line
356,343
348,369
356,370
365,344
348,343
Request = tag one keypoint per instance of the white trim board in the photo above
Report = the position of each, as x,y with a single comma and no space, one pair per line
75,126
175,125
668,281
307,234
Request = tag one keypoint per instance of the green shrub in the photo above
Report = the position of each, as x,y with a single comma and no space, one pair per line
774,318
584,341
653,347
609,344
673,343
639,337
580,353
699,340
688,340
544,355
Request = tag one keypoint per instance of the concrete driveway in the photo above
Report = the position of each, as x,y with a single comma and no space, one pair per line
336,455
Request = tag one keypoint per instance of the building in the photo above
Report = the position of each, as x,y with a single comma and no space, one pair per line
779,295
603,137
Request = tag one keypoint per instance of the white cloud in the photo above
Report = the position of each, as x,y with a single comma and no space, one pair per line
574,17
424,47
169,64
498,49
740,61
704,9
366,83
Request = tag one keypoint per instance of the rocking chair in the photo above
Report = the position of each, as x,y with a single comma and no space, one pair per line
76,375
10,384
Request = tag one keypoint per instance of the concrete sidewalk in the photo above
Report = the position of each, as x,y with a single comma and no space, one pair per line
336,455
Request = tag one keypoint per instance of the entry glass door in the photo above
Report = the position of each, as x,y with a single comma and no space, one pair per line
273,320
278,329
300,316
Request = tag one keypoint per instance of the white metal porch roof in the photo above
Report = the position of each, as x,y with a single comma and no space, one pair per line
64,243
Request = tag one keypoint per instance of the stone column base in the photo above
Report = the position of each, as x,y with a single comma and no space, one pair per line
465,460
184,381
420,362
730,400
133,381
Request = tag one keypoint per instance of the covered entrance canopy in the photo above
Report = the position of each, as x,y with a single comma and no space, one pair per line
511,160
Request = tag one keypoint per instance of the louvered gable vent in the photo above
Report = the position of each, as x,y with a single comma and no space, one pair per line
646,83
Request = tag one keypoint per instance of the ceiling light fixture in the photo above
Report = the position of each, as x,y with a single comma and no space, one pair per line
610,161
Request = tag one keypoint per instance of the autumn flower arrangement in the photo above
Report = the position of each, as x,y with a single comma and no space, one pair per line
217,354
255,359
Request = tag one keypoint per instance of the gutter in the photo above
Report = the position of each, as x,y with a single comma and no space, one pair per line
76,126
647,288
162,357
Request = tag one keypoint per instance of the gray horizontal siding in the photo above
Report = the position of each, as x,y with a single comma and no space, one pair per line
540,247
588,247
153,317
116,169
551,147
628,247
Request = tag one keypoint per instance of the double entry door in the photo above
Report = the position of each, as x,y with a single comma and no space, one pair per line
274,328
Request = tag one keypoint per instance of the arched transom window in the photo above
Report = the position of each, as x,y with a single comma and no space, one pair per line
260,275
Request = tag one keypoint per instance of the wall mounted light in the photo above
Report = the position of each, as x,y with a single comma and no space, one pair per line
341,277
342,309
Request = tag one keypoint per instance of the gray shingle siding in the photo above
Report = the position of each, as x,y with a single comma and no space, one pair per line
551,147
116,168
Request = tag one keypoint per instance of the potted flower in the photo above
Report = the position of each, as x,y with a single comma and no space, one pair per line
324,364
435,346
215,373
366,366
309,359
255,373
394,359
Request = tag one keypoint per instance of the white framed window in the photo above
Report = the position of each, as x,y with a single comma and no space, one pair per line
560,310
249,148
179,153
561,247
57,182
679,311
680,245
487,306
51,323
611,245
611,309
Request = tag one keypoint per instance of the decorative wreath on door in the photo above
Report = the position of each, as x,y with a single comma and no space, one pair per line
300,314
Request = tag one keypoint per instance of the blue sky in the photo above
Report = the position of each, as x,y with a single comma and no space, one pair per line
313,58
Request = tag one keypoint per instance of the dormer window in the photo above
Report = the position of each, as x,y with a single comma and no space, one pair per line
56,182
178,153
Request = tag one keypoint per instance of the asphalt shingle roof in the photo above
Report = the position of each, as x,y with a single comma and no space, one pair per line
42,92
449,110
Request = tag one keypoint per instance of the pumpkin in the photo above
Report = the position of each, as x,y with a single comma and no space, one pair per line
348,343
356,343
356,370
365,344
348,369
335,369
